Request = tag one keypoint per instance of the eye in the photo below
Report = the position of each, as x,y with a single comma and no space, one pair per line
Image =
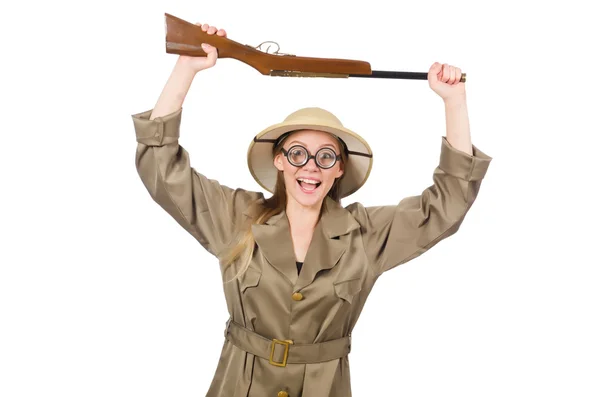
326,158
297,155
326,154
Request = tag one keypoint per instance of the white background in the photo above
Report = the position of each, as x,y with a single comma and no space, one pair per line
103,294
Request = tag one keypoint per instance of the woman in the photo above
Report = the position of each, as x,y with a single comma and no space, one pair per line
297,266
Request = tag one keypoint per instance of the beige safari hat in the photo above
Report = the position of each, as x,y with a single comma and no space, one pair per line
360,156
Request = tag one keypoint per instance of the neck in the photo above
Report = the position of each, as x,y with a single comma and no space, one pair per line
302,217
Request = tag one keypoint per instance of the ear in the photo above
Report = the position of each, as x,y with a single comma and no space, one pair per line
278,162
340,170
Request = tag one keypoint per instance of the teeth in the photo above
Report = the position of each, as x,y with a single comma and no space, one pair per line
308,181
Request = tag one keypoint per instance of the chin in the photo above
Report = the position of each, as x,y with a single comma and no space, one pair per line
308,201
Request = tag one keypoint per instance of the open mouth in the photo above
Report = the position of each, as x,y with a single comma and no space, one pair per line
308,185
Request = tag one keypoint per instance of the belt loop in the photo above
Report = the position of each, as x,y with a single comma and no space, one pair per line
227,324
161,132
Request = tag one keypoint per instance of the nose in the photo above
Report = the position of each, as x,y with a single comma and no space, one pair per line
311,165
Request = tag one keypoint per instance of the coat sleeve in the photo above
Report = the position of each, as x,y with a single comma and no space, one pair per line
209,211
396,234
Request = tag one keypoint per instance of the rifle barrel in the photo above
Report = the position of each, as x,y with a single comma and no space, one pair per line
384,74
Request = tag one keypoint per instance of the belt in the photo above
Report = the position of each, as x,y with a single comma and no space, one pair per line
282,352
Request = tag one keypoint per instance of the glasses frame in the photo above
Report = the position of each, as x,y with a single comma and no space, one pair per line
338,157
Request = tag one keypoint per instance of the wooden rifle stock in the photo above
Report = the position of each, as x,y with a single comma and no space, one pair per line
185,38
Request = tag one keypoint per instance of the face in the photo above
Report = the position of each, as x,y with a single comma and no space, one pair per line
309,184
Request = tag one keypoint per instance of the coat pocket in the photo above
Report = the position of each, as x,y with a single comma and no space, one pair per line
348,289
250,279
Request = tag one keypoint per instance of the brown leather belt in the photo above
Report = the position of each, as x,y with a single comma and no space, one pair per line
282,352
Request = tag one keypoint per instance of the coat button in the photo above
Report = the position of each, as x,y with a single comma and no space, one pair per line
282,394
297,296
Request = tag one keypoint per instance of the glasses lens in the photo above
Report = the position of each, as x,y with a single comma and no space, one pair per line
297,155
326,158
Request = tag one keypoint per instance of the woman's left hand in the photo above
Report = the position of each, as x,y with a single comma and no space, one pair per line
444,80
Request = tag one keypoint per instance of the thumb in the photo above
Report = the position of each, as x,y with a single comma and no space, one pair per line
207,48
433,71
211,53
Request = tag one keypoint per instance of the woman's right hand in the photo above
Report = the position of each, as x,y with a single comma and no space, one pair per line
197,64
174,93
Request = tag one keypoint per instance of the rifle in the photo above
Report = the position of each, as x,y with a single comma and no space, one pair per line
184,38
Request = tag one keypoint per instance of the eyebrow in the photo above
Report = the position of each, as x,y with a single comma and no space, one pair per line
302,143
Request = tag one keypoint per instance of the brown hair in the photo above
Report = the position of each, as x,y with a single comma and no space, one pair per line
265,209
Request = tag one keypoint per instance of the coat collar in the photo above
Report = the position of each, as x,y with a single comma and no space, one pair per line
325,250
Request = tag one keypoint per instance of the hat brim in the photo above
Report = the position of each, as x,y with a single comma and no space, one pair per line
356,170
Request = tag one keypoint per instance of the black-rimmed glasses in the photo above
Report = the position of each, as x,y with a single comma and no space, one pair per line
298,156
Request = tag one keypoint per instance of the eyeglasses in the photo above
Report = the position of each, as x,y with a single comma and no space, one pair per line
324,158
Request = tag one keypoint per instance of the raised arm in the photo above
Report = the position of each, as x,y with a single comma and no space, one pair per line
396,234
208,210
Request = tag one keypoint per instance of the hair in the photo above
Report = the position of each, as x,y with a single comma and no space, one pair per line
262,210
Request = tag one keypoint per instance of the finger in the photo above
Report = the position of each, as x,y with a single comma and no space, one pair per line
198,23
221,32
445,73
211,30
458,75
205,27
440,74
452,75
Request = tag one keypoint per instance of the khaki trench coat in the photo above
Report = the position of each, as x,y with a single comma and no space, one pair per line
350,249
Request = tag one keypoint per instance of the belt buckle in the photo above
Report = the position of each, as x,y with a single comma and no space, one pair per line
285,343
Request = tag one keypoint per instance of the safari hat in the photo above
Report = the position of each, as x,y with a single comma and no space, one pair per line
356,169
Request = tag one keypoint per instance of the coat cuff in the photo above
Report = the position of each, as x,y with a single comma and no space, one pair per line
159,131
462,165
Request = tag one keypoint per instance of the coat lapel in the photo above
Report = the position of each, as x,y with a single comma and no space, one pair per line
327,246
275,242
325,250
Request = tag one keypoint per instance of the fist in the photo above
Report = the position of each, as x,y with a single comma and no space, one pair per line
200,63
444,80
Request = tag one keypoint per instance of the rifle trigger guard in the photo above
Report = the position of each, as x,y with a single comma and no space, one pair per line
276,52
